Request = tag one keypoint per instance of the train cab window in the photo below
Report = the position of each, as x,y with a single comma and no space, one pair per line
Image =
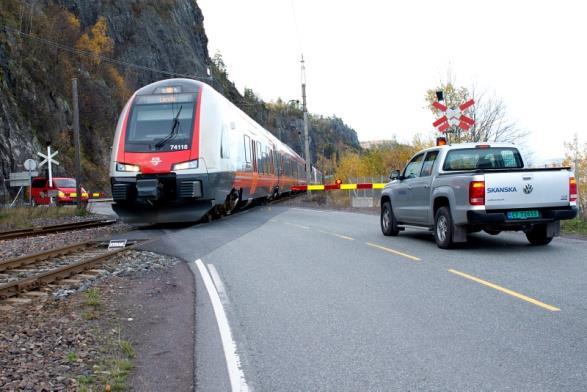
161,122
247,146
224,143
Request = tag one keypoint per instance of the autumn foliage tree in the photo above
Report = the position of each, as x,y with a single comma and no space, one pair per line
379,161
96,42
576,157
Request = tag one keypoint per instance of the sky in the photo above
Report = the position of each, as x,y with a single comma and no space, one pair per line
370,62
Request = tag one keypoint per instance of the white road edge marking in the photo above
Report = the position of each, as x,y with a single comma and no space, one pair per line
219,285
235,373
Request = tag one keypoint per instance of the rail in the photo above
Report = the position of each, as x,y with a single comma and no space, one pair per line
7,235
16,287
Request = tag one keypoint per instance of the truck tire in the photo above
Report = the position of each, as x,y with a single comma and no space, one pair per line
388,222
537,236
443,228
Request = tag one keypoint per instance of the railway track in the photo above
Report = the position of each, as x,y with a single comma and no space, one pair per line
8,235
33,272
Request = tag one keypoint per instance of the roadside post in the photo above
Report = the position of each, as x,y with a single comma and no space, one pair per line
78,167
453,119
48,159
30,165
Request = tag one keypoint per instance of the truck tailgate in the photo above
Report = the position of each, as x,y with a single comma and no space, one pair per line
526,189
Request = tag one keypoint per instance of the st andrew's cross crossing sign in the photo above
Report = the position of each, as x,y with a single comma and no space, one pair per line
50,161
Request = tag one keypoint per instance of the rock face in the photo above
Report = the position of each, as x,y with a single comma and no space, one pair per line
44,47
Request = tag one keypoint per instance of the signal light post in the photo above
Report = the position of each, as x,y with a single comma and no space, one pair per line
306,126
453,120
78,167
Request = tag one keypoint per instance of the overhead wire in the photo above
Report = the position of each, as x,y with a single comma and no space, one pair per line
297,28
86,53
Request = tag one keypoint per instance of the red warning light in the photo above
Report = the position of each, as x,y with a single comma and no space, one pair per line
338,181
441,141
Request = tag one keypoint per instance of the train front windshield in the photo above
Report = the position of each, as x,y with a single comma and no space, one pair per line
161,123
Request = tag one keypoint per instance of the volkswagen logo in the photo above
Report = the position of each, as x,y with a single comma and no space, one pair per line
156,161
528,189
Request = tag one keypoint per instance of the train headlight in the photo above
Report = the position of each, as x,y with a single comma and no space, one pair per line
123,167
186,165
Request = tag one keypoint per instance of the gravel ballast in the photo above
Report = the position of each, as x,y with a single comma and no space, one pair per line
76,337
29,245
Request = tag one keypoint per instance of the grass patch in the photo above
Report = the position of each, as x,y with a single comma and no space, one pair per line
23,217
71,356
113,364
127,349
90,315
85,382
574,226
93,298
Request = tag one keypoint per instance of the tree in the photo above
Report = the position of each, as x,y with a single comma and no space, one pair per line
96,41
492,123
576,157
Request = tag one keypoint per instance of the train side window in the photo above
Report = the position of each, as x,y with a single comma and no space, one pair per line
267,160
247,149
224,143
254,156
259,157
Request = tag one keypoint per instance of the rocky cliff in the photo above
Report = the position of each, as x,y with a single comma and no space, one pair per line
101,42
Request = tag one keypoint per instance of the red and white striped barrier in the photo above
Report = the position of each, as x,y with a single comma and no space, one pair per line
334,187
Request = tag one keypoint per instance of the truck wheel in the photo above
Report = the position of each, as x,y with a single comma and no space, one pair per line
537,236
388,222
443,228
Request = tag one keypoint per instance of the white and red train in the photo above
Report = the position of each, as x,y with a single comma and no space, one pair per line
181,151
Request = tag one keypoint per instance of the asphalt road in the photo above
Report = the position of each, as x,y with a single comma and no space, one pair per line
321,300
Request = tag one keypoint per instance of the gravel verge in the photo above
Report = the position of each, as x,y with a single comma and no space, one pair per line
79,338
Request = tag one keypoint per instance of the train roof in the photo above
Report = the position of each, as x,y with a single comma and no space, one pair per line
186,86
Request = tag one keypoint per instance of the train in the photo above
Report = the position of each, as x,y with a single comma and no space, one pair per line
182,152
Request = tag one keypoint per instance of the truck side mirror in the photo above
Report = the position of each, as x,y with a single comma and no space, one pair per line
395,175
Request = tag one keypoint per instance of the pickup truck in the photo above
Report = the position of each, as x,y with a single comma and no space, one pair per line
454,190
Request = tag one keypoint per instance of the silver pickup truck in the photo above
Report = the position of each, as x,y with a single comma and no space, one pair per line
459,189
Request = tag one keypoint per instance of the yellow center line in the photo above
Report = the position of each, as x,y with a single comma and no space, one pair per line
296,225
337,235
506,291
394,251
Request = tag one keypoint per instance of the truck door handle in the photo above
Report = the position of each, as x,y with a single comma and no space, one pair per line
426,186
409,187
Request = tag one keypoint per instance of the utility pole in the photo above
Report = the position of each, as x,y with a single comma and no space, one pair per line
78,166
577,175
306,132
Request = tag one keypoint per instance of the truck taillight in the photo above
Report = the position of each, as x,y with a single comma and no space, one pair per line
572,189
477,193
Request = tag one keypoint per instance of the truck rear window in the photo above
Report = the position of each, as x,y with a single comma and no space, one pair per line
483,158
